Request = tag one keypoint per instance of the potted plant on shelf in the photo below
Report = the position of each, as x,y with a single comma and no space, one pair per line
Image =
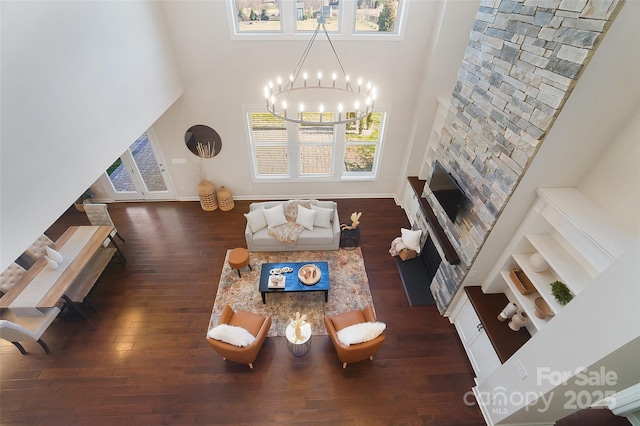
561,292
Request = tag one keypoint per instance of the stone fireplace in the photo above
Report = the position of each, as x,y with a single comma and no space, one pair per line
522,62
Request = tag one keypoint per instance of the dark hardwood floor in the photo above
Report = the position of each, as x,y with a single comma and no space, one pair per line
146,362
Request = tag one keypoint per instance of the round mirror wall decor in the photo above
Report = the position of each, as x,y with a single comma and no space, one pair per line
203,141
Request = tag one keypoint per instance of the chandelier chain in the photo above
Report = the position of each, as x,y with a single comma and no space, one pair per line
303,58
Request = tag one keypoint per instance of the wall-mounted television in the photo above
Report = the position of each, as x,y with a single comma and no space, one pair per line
446,190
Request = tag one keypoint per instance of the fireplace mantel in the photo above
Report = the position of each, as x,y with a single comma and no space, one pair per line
447,248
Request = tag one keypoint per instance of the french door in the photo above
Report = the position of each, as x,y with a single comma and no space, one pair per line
138,174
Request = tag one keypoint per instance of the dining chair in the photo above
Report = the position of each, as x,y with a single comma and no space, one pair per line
98,215
10,276
38,248
19,329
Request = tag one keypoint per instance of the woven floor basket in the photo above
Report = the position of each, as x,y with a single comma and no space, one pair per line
225,199
208,198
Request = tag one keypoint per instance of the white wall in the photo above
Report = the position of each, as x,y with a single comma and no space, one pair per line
221,75
441,74
80,82
614,183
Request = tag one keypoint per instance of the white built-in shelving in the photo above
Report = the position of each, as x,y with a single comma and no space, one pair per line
577,239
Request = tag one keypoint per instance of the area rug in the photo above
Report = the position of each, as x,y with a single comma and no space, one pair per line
349,289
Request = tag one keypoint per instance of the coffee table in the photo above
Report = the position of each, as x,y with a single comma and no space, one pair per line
292,283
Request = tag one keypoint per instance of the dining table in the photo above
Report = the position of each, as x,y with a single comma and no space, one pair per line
85,251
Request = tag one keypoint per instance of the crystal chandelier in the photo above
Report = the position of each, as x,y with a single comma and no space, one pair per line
286,100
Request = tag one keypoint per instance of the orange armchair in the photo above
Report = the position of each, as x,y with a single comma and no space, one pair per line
257,325
357,352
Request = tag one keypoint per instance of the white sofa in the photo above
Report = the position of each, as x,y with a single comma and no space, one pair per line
319,238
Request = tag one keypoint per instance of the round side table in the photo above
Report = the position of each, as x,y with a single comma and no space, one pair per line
298,348
349,238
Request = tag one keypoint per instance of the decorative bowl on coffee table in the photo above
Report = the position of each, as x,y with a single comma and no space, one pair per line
309,274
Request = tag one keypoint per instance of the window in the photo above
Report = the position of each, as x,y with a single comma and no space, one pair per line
376,15
316,146
269,145
361,147
294,20
308,11
282,149
257,16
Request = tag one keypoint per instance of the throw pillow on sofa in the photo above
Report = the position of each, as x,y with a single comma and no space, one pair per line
275,216
256,219
305,217
361,332
232,335
323,216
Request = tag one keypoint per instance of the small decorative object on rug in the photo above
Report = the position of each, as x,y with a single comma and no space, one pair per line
355,221
225,199
298,322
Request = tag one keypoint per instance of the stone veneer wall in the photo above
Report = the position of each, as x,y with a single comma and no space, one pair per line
523,59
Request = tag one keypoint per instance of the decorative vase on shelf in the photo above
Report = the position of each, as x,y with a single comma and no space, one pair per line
207,194
508,312
518,320
537,263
